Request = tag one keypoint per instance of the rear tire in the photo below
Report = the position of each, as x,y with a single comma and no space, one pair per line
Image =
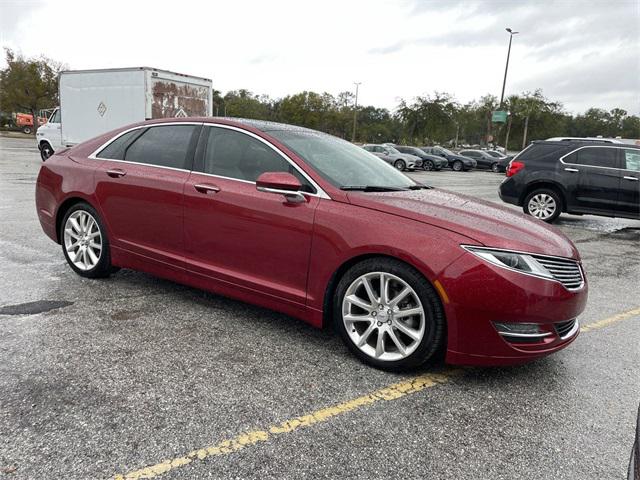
27,130
85,243
457,166
544,204
407,340
400,165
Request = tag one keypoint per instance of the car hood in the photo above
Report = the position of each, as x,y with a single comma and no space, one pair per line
483,222
408,156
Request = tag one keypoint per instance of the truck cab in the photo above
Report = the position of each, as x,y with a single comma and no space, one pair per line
49,135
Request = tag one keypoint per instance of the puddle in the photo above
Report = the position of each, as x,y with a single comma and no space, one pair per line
32,308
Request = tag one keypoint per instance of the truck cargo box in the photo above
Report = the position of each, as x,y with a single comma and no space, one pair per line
93,102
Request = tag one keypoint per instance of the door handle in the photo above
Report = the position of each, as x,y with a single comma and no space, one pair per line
633,179
571,170
116,173
206,188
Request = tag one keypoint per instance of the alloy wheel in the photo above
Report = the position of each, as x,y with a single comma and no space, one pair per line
494,167
457,166
428,165
542,206
383,316
83,240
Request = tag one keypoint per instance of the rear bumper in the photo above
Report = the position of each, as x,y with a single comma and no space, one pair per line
480,295
508,192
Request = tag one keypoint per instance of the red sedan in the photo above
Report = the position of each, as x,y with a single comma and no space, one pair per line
310,225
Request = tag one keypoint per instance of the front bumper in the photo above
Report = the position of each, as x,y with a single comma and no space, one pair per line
480,295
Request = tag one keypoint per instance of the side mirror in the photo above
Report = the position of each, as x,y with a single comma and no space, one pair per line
282,183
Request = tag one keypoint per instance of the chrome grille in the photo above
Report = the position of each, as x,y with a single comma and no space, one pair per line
566,271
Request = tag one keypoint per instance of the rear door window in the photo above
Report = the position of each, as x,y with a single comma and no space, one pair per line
163,146
595,157
632,159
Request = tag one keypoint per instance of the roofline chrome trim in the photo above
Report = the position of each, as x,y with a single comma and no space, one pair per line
320,191
612,145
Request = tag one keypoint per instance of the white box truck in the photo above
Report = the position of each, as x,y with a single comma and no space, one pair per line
93,102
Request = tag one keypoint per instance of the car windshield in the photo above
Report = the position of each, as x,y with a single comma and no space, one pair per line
444,150
342,163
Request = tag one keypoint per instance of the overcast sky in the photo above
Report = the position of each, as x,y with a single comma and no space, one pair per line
583,53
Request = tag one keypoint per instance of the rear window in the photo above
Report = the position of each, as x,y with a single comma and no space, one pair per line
116,149
542,152
164,146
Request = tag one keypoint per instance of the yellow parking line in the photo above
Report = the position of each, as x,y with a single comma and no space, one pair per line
392,392
608,321
226,447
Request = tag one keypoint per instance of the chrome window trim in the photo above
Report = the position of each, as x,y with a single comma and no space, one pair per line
320,192
613,145
468,248
93,156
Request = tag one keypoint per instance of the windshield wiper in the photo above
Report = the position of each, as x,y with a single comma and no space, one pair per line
372,188
420,186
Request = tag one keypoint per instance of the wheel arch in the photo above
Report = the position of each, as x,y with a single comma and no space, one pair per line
64,208
327,310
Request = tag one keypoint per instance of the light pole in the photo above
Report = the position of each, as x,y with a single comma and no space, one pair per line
504,82
355,112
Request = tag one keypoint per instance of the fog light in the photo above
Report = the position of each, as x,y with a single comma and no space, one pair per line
520,330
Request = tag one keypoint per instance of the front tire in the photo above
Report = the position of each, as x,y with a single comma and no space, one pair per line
457,166
428,165
400,165
544,204
494,168
85,243
388,314
45,151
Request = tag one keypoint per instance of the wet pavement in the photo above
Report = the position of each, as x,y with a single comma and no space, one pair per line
104,377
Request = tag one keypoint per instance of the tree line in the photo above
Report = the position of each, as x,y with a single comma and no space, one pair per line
433,119
31,84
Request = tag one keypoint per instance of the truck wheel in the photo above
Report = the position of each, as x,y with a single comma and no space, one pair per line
400,165
45,151
26,130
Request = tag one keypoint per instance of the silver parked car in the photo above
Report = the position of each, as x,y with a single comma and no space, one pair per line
402,161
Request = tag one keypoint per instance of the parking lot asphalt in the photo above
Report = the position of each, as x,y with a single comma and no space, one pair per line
136,377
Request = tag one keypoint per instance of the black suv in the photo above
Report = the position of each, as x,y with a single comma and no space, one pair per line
575,176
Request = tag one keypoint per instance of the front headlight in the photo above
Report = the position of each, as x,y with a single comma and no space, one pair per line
518,262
